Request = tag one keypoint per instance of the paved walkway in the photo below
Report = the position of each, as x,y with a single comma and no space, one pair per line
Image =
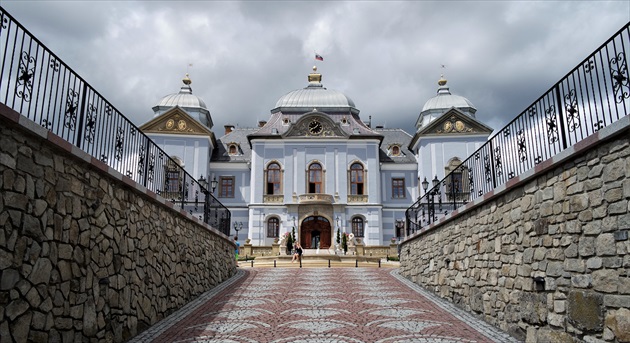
320,305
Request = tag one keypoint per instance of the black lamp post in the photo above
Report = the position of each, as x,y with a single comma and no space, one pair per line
425,184
237,227
213,184
203,182
399,225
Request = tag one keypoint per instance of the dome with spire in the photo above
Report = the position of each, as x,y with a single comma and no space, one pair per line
314,96
442,102
192,104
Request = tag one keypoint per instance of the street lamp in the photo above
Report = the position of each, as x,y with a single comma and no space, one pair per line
435,181
237,227
203,182
214,183
425,184
399,225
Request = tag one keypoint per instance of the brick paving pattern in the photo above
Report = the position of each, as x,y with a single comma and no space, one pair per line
320,305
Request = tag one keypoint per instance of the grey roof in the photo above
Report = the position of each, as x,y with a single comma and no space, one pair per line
239,136
395,137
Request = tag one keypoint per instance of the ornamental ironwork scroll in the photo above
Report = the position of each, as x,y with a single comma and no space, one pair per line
24,82
619,75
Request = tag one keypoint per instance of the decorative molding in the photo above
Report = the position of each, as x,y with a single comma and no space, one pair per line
358,198
272,198
316,198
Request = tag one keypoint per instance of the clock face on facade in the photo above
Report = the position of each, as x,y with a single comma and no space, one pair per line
315,127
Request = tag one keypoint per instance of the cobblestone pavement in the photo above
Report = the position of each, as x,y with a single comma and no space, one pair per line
320,305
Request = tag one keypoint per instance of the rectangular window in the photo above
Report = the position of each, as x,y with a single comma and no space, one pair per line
172,181
226,187
398,189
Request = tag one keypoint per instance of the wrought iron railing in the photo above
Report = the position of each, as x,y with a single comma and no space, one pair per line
593,95
40,86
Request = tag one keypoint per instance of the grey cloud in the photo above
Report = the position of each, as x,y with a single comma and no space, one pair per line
386,56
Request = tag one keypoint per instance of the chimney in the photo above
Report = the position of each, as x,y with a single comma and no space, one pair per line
262,123
228,128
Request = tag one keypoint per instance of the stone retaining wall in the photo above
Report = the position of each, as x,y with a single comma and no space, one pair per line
85,253
547,259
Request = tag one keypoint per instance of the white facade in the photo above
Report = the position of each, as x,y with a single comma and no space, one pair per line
316,167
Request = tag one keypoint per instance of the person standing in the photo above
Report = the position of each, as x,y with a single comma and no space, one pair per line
298,251
238,246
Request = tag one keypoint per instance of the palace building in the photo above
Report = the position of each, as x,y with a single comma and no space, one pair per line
315,165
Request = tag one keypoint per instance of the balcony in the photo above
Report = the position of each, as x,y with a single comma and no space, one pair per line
357,198
316,198
273,199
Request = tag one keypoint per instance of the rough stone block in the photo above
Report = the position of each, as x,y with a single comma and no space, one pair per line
619,323
585,310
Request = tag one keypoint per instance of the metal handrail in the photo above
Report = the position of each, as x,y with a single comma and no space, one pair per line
593,95
40,86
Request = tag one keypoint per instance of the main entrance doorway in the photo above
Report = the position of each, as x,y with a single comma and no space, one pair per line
315,233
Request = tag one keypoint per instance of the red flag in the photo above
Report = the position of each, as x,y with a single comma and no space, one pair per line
318,57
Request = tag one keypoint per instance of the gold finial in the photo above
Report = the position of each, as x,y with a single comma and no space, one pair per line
187,80
315,77
442,80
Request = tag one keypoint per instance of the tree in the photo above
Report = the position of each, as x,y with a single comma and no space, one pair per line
289,244
344,243
338,236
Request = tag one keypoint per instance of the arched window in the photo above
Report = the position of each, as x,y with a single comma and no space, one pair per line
273,179
273,227
395,150
356,179
457,183
315,178
233,149
357,226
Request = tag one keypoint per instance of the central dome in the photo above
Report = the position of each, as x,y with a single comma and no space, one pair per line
314,96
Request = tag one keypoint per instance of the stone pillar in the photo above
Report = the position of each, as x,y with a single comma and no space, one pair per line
247,250
393,249
275,249
360,249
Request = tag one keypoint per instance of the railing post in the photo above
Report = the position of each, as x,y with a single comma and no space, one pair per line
560,117
79,127
493,171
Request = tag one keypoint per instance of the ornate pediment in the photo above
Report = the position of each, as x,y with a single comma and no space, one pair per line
455,122
313,126
175,121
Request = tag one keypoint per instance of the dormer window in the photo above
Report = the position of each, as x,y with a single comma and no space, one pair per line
286,121
344,121
394,150
234,149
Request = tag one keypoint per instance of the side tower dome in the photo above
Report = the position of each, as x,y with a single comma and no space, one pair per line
442,102
192,104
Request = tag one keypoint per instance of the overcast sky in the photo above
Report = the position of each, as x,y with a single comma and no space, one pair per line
386,56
